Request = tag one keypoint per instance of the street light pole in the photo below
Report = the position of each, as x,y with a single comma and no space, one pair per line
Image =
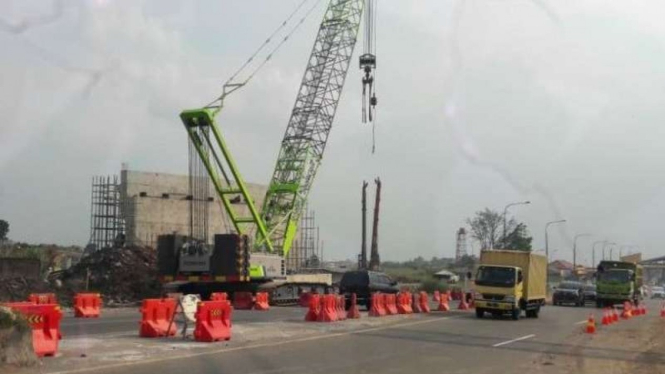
547,250
604,245
547,245
593,252
505,212
575,249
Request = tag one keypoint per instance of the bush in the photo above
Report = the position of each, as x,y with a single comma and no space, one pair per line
432,285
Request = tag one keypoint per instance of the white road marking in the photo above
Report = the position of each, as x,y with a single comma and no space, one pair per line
514,340
252,346
581,322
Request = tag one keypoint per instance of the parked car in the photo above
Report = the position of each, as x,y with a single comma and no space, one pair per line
589,293
364,283
569,293
657,292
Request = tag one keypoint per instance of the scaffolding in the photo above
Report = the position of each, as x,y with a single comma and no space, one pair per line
107,227
307,251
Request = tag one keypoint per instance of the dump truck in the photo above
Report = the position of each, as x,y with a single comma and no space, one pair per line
617,282
508,282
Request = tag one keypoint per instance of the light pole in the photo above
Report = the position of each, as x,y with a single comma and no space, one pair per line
505,212
604,245
575,249
547,246
593,252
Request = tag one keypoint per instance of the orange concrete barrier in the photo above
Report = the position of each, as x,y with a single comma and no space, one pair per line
328,311
213,321
341,304
391,304
304,299
377,308
261,302
424,302
219,296
353,312
404,303
314,308
44,319
415,302
42,298
87,305
443,303
156,315
243,300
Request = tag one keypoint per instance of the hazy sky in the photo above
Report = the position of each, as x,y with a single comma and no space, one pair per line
481,103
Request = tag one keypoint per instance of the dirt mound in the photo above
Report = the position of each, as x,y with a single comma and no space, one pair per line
121,275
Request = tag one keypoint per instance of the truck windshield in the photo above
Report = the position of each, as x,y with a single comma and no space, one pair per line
495,276
614,276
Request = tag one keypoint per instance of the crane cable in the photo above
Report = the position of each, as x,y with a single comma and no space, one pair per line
233,86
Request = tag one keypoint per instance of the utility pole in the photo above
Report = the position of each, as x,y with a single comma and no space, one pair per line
363,247
374,261
547,249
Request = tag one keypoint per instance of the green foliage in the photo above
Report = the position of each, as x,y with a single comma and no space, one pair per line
432,285
9,319
4,229
518,239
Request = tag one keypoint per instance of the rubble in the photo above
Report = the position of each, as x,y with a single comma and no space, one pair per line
122,275
18,288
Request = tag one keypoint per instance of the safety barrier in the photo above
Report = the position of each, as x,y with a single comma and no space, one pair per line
42,298
44,319
390,304
591,324
341,310
436,296
156,316
243,300
213,321
353,312
261,301
219,296
463,305
404,303
315,302
377,308
424,302
415,302
627,312
328,310
443,303
304,298
87,305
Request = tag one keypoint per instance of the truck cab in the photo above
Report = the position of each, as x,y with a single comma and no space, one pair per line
617,282
508,282
497,288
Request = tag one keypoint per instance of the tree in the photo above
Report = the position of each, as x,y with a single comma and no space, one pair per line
4,229
518,239
487,228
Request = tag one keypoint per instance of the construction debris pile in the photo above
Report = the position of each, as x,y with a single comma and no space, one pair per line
19,288
122,275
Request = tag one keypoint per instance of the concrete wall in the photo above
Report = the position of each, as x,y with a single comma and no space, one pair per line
149,214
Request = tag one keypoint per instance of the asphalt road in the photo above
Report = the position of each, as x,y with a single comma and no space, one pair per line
456,342
126,320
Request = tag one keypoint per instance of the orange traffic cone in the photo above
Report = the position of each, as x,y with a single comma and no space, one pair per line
463,304
615,314
591,324
636,309
644,310
626,314
662,310
606,320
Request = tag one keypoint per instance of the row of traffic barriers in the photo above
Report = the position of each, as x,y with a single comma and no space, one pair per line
86,305
330,308
213,319
246,301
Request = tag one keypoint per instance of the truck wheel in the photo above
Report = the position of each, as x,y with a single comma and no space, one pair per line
515,314
536,312
529,313
480,312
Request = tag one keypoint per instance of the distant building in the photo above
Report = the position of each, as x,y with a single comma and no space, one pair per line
560,269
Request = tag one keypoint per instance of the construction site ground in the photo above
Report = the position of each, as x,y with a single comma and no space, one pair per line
280,341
